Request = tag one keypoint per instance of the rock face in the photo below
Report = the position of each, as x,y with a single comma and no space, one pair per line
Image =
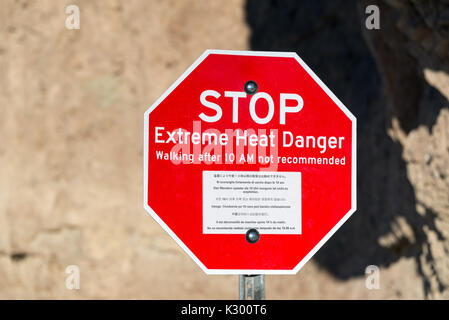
412,52
401,101
72,103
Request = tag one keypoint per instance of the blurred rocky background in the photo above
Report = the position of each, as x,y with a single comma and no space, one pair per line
71,117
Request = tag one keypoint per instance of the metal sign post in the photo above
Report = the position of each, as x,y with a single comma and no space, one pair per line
252,287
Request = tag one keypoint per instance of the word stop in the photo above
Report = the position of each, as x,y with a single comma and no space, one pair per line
236,95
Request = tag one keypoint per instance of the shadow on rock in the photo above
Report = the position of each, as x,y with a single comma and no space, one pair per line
327,35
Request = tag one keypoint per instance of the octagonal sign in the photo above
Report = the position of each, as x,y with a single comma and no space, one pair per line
249,162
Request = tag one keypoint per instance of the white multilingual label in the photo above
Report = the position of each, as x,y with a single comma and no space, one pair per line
235,201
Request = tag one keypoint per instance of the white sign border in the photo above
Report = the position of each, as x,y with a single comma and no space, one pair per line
353,163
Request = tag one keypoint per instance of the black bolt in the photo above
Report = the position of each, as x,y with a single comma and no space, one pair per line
252,236
251,87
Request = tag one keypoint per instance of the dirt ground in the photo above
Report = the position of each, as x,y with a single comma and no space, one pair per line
71,123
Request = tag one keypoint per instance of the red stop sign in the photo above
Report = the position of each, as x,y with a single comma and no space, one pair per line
249,162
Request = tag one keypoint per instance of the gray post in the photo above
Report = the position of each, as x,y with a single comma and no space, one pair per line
252,287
